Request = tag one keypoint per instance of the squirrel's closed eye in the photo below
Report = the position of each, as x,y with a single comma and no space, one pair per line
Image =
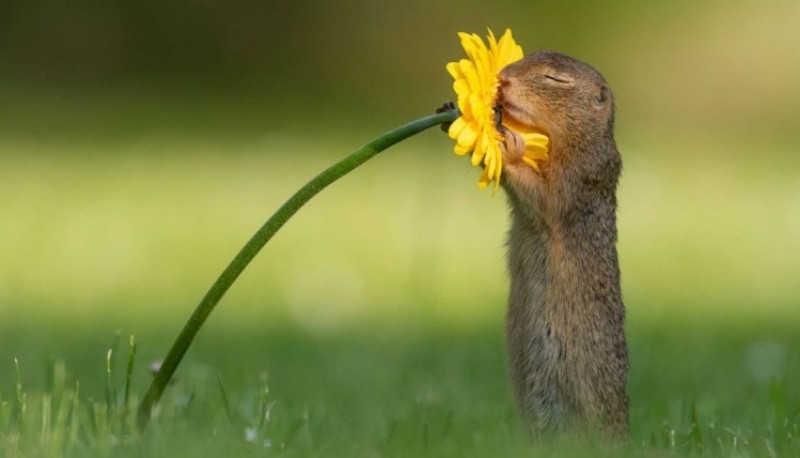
558,78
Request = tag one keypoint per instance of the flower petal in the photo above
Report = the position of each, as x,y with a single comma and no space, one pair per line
481,142
454,70
497,177
467,136
477,106
463,106
531,162
461,87
471,75
476,85
535,140
455,129
461,150
484,180
480,153
536,155
508,51
491,165
492,42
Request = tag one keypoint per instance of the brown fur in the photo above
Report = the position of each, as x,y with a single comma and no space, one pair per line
566,343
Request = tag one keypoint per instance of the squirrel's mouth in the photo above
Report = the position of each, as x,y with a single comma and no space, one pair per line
504,110
508,111
515,117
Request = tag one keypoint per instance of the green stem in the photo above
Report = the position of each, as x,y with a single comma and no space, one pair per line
260,238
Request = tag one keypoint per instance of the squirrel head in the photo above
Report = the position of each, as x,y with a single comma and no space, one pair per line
570,102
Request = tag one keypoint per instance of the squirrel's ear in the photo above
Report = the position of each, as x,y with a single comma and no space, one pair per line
602,96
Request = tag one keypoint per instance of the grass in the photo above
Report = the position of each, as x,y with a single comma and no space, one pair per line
420,392
372,326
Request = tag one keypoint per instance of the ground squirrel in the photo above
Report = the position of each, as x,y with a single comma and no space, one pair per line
566,343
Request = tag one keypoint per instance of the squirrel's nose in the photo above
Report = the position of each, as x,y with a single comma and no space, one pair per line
503,78
506,77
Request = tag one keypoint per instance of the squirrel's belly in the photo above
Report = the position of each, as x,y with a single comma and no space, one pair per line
536,363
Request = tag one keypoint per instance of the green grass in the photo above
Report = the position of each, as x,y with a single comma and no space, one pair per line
411,392
374,320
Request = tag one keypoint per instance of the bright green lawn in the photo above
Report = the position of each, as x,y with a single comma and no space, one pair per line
375,319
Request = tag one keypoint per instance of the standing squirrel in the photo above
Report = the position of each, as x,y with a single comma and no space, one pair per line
565,325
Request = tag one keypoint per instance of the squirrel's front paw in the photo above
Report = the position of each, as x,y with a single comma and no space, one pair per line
513,145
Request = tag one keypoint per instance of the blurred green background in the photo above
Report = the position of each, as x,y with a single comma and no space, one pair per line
143,142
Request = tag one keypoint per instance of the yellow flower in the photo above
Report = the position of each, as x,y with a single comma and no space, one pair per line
476,87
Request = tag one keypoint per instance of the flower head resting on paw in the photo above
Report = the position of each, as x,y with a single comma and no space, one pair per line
476,83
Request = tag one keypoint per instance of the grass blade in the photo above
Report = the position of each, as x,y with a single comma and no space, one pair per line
19,408
129,372
109,387
225,403
697,434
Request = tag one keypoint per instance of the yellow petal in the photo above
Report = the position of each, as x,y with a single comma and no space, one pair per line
466,41
536,153
492,43
454,70
484,180
478,154
461,87
480,56
474,46
535,157
508,51
475,84
537,148
496,162
477,106
463,106
467,136
531,162
517,53
461,150
491,165
468,69
480,143
535,138
456,128
499,172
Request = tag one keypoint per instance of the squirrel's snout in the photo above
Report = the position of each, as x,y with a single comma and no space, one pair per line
512,71
504,89
504,78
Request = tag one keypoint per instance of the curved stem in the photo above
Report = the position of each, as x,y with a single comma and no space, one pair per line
260,238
